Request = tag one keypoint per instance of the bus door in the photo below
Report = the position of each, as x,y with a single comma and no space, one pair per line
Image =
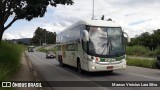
71,53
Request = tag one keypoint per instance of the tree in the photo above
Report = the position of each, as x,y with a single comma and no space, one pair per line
43,36
151,41
143,40
24,9
156,38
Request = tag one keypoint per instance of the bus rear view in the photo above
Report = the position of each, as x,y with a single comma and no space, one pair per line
92,45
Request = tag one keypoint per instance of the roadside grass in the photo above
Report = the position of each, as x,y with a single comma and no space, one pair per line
10,56
142,51
54,50
137,50
141,62
43,49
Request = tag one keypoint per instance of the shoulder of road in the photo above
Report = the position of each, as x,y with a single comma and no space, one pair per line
24,74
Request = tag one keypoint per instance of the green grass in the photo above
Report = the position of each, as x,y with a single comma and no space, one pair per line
141,62
10,56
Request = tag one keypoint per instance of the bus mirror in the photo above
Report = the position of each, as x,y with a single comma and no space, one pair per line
85,36
128,39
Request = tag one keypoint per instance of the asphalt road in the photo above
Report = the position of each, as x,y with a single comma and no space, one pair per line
51,71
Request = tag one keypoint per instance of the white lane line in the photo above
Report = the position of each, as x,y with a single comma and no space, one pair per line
99,86
144,76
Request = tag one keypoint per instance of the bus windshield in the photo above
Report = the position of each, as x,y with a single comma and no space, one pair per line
106,41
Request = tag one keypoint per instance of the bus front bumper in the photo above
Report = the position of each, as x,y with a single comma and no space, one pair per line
93,67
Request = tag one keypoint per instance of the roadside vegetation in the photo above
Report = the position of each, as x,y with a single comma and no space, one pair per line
142,51
43,49
10,56
143,47
141,56
147,44
147,63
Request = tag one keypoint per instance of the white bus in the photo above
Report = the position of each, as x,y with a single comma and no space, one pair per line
92,45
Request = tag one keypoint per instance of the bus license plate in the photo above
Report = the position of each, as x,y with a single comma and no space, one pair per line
109,67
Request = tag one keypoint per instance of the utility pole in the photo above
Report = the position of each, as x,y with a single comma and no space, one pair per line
93,11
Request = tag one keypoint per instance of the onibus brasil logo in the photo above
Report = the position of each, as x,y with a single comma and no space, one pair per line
21,84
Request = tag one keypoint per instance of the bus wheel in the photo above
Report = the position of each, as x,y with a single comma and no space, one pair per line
79,67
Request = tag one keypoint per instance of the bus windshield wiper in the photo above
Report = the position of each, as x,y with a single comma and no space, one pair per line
108,43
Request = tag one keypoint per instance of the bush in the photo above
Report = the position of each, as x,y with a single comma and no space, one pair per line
152,53
10,56
137,50
141,62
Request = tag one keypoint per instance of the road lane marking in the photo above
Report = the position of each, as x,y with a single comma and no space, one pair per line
83,79
144,76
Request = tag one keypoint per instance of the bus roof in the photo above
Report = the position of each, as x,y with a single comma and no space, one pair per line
66,33
89,22
99,23
95,23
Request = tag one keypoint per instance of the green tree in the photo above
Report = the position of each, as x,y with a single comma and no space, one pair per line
43,36
37,38
151,41
156,38
24,9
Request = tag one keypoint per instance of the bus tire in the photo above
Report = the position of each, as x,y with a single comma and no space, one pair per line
79,67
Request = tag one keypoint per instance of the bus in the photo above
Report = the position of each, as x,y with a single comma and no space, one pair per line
92,45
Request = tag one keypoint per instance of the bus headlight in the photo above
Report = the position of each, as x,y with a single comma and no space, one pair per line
93,61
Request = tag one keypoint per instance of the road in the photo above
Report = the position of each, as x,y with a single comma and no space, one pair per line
51,71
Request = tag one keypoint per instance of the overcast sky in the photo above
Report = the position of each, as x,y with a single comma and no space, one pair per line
135,17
